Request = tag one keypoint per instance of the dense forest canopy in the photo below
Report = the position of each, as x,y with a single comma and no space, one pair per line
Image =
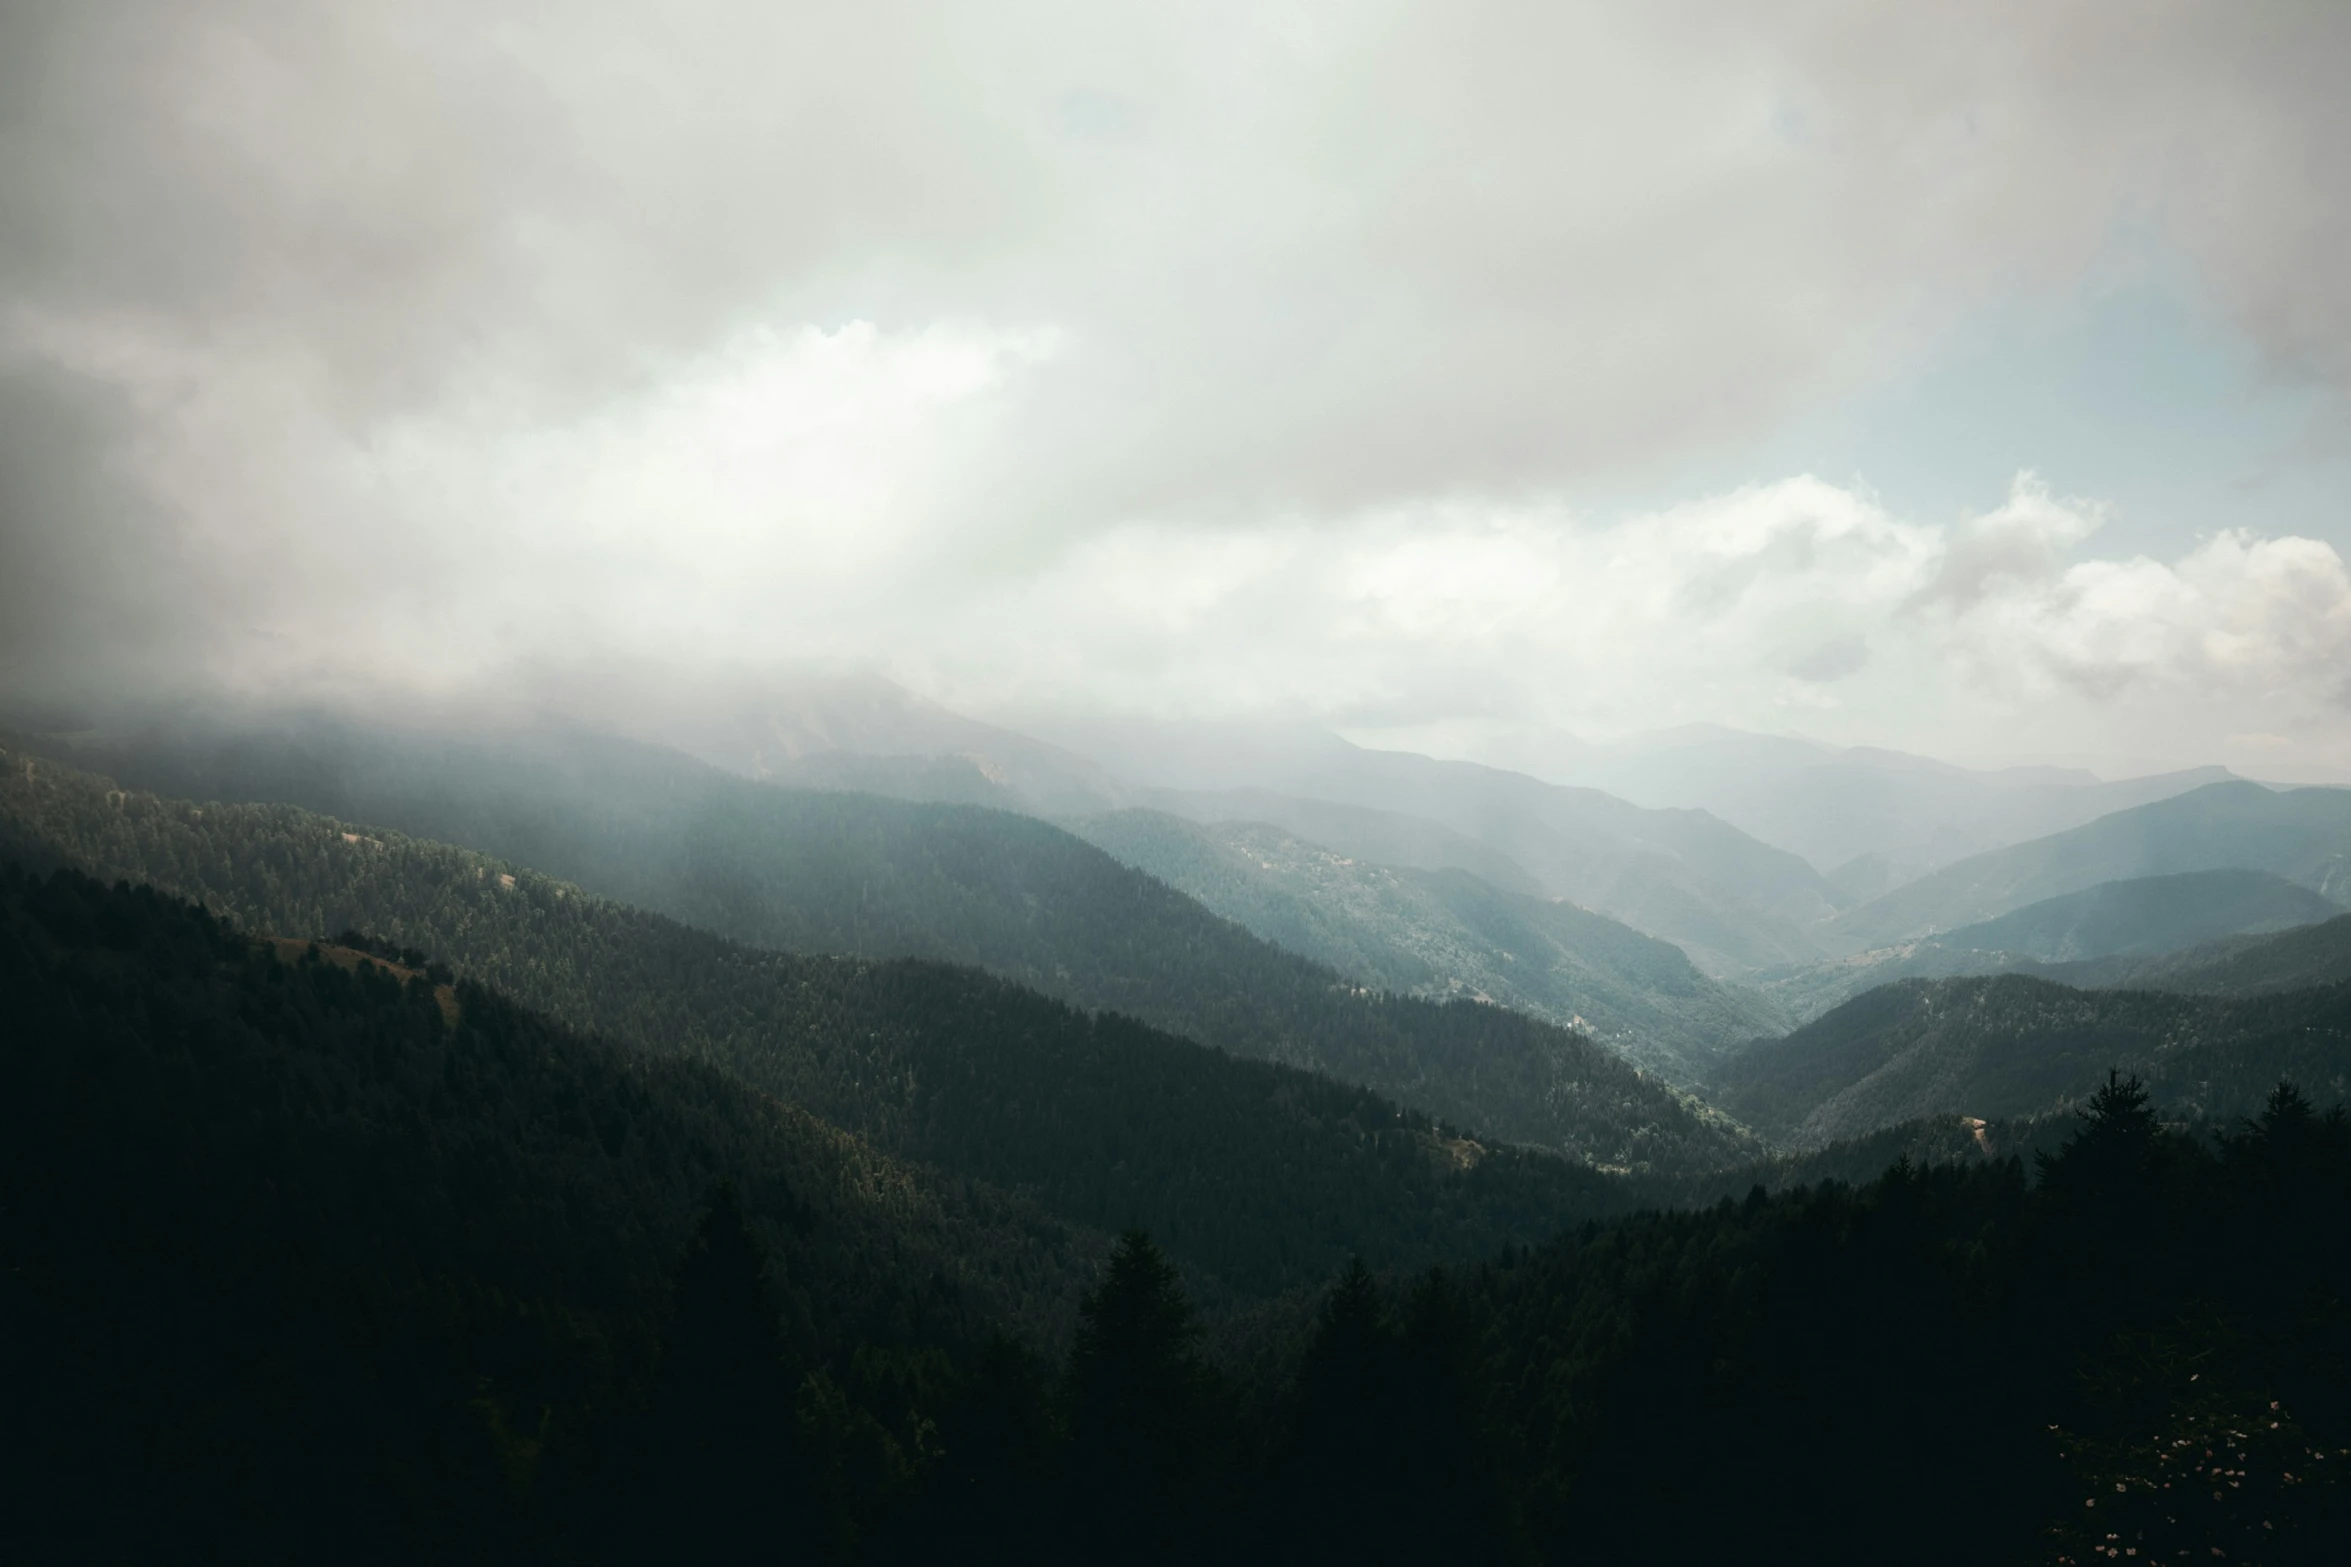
307,1263
630,1241
307,1268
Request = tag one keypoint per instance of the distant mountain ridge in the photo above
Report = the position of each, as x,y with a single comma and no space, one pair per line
1702,860
2118,927
2302,835
1869,818
2148,915
1731,902
1356,831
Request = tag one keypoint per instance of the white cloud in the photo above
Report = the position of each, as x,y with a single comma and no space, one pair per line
1199,357
2266,622
1798,604
794,496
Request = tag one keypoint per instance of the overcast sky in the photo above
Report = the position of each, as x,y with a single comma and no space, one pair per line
1974,379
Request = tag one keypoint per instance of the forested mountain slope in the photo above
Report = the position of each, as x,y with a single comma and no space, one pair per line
1356,831
294,1258
2139,1353
1447,933
1261,1174
2235,966
2303,835
2125,925
813,872
2011,1046
304,1268
2146,915
1926,1142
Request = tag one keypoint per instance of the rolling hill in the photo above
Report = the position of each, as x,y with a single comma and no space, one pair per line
2011,1046
2100,936
2147,915
2298,959
2302,835
1868,818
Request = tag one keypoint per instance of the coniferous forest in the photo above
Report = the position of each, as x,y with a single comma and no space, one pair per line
316,1254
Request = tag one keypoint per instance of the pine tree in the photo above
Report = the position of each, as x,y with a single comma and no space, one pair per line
724,1423
1140,1413
1453,1507
1343,1469
2113,1152
1387,1464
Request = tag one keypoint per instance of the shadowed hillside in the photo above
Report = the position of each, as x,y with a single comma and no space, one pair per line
1264,1175
307,1260
2010,1046
810,872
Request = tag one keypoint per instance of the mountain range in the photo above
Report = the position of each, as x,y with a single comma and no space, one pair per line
1868,818
781,869
2302,835
1427,892
322,1254
569,1150
1726,899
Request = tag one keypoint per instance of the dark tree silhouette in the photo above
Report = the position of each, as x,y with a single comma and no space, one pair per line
732,1487
1341,1488
1141,1416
